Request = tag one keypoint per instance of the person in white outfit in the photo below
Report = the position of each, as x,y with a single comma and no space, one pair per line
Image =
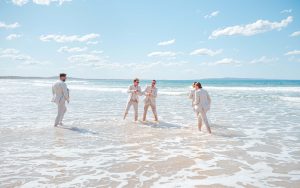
192,94
133,98
202,105
150,100
60,93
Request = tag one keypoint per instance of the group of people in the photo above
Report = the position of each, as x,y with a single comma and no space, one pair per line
200,100
135,91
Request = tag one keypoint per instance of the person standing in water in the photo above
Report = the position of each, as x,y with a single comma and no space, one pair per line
201,106
192,93
150,100
60,93
133,98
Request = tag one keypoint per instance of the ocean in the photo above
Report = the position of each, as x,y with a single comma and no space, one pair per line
255,139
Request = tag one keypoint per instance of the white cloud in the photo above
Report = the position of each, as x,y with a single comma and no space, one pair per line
213,14
286,11
224,61
42,2
39,2
13,54
68,38
85,58
162,54
92,60
294,52
60,2
145,66
9,26
263,59
260,26
16,55
19,2
9,51
13,36
70,50
92,42
205,51
165,43
96,52
295,34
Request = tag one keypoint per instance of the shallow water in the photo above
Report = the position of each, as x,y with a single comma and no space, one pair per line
255,141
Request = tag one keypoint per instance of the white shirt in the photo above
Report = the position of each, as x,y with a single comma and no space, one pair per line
202,100
60,92
192,95
150,90
132,95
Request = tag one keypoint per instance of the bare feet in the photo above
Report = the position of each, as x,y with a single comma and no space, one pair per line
199,127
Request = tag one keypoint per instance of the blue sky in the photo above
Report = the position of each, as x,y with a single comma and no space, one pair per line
168,39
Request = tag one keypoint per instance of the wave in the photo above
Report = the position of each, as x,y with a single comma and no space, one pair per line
98,88
291,99
275,88
173,91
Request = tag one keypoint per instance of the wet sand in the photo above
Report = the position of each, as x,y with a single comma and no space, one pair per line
255,140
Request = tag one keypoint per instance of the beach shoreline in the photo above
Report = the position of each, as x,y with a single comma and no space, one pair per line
251,146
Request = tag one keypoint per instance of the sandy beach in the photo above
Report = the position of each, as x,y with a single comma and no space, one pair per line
252,145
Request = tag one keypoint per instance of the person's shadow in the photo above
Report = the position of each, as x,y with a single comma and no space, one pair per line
228,132
162,125
79,130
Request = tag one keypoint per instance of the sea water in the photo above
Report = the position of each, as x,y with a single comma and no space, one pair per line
255,139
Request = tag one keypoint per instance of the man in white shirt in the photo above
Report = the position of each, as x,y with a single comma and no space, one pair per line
150,100
133,98
201,106
60,93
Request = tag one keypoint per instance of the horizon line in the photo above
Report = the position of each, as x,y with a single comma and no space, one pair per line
79,78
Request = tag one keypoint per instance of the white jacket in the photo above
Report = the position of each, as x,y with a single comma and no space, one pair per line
132,95
60,92
150,99
202,100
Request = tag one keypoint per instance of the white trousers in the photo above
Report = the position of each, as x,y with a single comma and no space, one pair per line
202,117
135,105
61,110
153,107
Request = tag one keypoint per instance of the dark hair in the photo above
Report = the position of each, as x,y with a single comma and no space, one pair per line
194,83
62,75
154,81
136,80
199,85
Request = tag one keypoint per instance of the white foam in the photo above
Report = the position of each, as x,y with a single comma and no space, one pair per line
253,88
255,138
291,99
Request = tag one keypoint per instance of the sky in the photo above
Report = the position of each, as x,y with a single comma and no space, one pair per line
169,39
